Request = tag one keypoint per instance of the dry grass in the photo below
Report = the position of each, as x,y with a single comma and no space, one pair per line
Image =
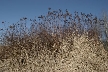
49,46
82,56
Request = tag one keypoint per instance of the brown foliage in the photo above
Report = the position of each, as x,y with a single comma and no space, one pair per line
48,33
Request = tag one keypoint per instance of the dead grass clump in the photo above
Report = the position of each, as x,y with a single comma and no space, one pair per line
58,42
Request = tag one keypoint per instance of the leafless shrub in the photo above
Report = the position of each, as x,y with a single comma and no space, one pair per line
48,33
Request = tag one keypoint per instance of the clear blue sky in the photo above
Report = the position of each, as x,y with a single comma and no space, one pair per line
12,10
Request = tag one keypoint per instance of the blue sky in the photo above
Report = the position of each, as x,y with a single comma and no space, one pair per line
12,10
